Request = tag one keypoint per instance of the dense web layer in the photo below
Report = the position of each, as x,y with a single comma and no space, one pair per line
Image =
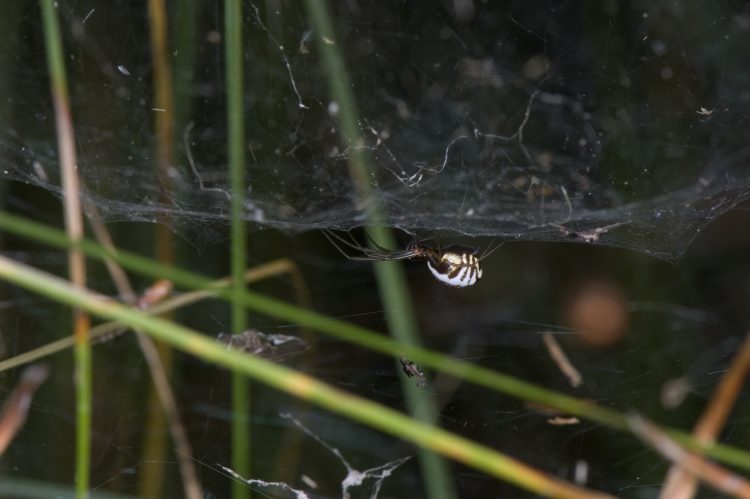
619,125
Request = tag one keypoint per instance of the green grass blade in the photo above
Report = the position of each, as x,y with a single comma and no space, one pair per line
297,384
402,323
236,148
365,338
74,226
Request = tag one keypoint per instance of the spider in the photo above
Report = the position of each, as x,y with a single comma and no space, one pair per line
457,266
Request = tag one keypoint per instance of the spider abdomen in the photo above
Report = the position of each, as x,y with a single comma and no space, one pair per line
455,266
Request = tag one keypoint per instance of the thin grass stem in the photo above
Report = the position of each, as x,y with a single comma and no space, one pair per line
392,287
74,229
679,483
159,375
366,338
299,385
110,329
241,447
156,430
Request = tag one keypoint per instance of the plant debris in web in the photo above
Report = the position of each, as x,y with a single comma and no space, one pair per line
276,347
363,483
517,122
412,370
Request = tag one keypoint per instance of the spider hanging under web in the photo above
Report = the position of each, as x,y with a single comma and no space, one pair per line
454,265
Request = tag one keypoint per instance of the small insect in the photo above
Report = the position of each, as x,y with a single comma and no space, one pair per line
411,369
457,266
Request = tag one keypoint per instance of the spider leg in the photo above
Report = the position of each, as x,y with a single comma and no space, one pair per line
351,243
406,254
375,245
332,237
368,254
376,249
491,249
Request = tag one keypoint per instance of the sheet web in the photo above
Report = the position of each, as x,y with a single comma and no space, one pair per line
618,126
599,123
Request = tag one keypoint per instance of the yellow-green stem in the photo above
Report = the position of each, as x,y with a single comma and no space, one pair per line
365,338
155,429
297,384
74,228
